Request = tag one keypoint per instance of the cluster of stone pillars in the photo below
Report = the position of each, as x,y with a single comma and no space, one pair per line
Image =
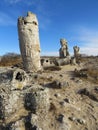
63,51
29,42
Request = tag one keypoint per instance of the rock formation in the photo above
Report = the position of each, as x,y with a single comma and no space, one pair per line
29,42
63,99
76,51
63,51
62,61
22,106
73,61
59,98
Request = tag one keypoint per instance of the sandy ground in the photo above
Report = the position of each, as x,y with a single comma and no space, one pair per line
81,111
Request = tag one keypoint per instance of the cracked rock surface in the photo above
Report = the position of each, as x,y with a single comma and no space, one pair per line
48,100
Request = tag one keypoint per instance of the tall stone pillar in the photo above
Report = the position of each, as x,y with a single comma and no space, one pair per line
29,42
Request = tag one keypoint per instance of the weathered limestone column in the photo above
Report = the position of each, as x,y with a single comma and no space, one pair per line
63,51
76,51
29,42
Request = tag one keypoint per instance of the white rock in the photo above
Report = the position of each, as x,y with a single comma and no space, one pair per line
29,42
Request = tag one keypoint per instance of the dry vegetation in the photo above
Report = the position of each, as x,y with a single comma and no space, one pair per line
89,70
10,59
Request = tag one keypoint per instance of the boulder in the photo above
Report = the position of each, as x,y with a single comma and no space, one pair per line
62,61
20,79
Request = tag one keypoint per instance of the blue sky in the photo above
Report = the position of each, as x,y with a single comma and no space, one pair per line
74,20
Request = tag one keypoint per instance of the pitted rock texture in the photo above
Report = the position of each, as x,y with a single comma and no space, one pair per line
17,105
20,79
53,100
29,42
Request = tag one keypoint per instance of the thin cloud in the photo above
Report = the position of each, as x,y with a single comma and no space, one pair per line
88,40
6,20
89,51
38,6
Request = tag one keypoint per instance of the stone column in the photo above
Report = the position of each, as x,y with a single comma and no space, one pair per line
63,51
29,42
76,51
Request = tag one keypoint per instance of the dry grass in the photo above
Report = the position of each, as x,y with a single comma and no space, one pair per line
10,59
89,70
93,72
93,75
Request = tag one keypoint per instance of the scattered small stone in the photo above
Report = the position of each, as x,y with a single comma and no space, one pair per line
72,118
67,100
57,95
62,103
78,81
96,88
58,84
60,118
81,121
61,75
64,84
72,78
88,93
81,73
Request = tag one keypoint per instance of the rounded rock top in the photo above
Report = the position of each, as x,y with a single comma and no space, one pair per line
63,41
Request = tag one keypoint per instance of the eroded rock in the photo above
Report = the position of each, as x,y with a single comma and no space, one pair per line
29,42
63,52
62,61
59,85
20,79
